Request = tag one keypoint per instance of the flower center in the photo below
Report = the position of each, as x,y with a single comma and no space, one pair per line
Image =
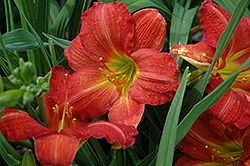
67,121
122,72
229,154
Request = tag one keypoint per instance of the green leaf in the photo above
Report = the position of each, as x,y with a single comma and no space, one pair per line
58,28
149,160
8,148
167,144
229,6
180,26
58,41
214,96
9,159
54,9
38,39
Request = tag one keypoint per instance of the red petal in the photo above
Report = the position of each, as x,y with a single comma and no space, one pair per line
127,111
89,92
157,80
57,76
113,132
206,135
76,55
189,161
56,149
232,109
107,31
200,55
213,21
17,125
150,29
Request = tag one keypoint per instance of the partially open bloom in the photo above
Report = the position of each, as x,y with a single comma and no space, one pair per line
117,63
58,143
208,142
213,21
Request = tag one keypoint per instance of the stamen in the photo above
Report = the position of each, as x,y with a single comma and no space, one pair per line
116,78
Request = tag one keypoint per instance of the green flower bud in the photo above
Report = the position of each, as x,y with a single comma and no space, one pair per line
28,159
17,72
32,89
28,71
40,80
27,97
10,98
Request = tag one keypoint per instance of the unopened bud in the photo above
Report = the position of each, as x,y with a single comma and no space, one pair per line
28,159
28,71
27,97
10,98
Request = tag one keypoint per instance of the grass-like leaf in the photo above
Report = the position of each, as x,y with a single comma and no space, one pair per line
167,143
180,26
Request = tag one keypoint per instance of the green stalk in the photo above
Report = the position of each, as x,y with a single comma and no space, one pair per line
40,101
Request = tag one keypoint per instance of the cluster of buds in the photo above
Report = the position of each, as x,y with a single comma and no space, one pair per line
30,85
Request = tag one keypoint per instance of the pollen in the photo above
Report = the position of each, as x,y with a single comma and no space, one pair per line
55,109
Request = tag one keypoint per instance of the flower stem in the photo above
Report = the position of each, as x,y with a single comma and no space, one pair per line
42,109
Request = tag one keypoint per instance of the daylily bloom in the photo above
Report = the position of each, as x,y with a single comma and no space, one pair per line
58,143
208,142
118,64
213,21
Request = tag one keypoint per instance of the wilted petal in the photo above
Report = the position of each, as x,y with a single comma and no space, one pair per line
232,109
107,30
17,125
189,161
200,55
113,132
89,92
56,149
76,55
126,110
150,29
157,80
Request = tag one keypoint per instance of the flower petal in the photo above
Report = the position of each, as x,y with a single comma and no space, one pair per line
150,29
56,149
17,125
127,111
76,55
107,31
205,138
200,55
89,92
189,161
232,109
57,76
113,132
157,80
213,21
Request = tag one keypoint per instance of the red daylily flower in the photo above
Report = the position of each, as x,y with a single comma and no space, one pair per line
208,142
65,133
117,63
213,21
